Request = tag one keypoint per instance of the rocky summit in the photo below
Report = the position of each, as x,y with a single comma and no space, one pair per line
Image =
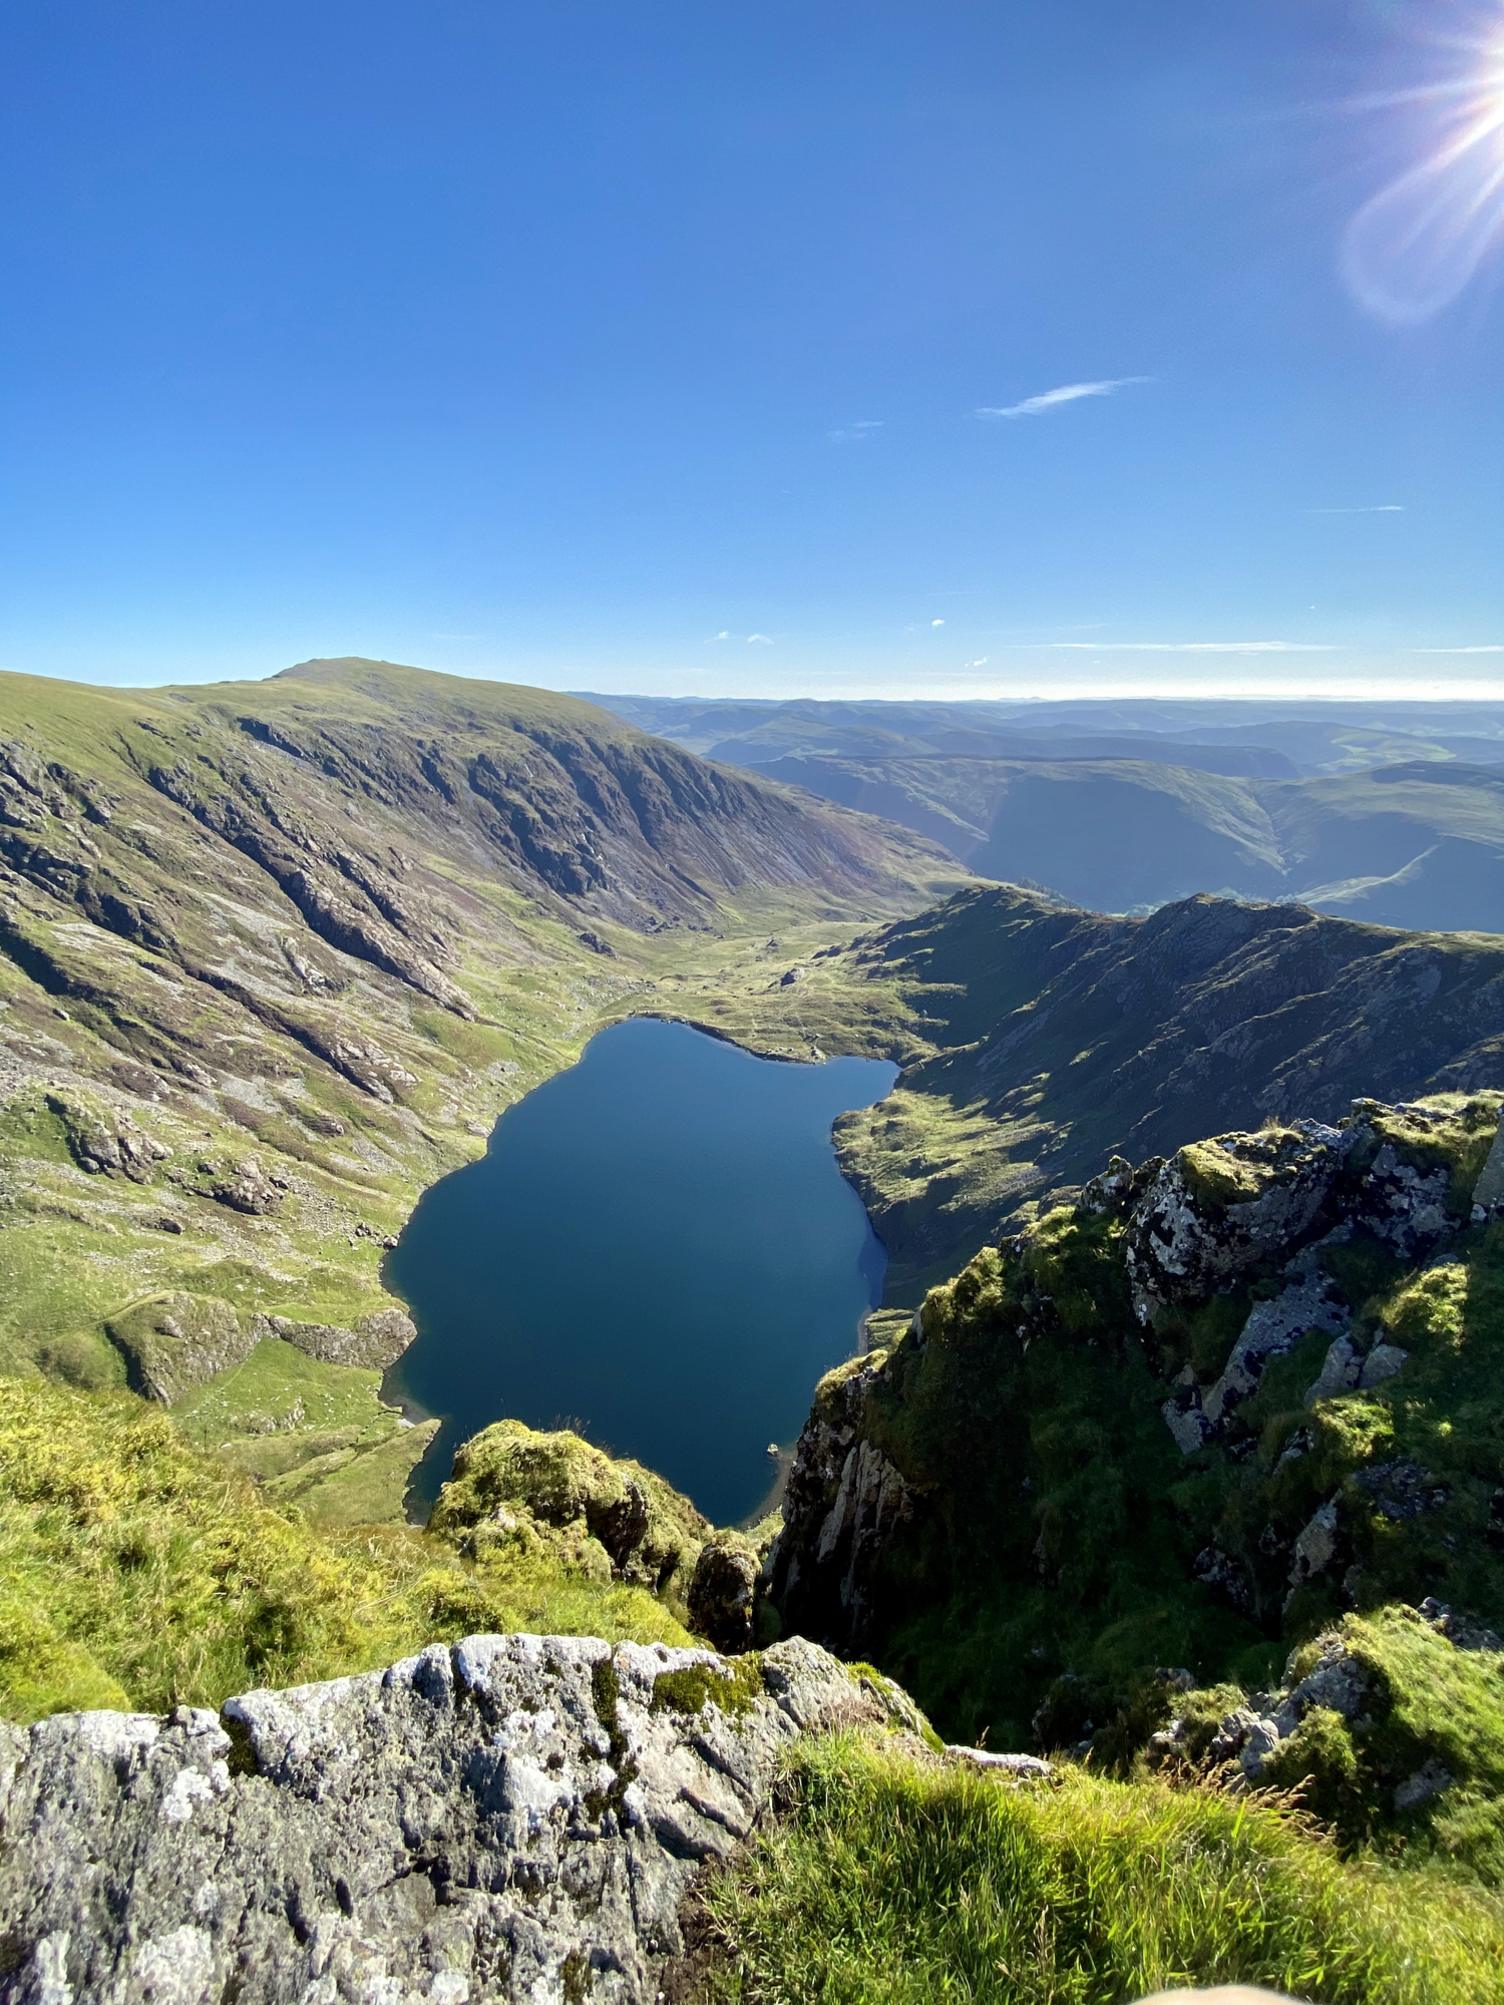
515,1817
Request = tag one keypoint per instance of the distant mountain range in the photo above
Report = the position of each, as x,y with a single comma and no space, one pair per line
1396,817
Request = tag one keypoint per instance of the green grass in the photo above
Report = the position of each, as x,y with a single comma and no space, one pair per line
136,1571
892,1881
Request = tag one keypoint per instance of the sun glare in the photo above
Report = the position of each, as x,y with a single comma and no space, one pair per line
1416,244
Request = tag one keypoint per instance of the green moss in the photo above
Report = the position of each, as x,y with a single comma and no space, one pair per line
733,1686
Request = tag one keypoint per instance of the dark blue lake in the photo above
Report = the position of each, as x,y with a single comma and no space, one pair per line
658,1250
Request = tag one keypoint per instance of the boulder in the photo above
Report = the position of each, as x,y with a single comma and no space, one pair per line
723,1591
513,1818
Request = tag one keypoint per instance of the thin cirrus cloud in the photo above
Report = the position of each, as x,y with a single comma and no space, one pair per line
1062,394
759,640
853,435
1478,647
1193,646
1373,508
752,640
980,662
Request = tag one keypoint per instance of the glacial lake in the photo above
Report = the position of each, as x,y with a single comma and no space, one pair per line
657,1250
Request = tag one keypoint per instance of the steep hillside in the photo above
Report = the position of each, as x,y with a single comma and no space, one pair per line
272,958
1398,820
1409,845
1048,1038
1180,1426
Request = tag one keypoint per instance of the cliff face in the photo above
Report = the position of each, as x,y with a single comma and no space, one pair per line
519,1817
1215,1402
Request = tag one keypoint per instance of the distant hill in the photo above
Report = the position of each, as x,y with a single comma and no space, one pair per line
1393,813
1054,1038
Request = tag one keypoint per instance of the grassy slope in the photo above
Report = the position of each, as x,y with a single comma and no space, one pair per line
893,1881
139,1572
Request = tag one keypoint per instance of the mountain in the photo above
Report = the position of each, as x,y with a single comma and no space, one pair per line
1045,1039
272,958
1218,1405
1218,735
1391,821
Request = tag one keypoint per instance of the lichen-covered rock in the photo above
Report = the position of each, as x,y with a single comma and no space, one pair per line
511,1479
375,1341
1219,1207
174,1342
515,1818
723,1591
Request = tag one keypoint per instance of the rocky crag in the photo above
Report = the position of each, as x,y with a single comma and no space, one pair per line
1185,1420
515,1817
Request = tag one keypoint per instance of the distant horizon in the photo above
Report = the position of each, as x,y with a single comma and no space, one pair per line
1367,689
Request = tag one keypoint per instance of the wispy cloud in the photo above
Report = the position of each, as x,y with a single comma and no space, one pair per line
852,435
1193,646
1064,393
1374,508
724,634
937,623
759,640
980,662
1479,647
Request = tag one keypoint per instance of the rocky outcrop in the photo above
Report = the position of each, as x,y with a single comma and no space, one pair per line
722,1593
1187,1390
1218,1207
515,1817
374,1341
842,1501
512,1484
174,1342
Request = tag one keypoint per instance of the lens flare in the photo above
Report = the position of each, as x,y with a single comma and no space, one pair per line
1414,247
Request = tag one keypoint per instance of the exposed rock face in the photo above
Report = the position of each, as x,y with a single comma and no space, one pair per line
842,1500
723,1591
1215,1208
375,1342
515,1818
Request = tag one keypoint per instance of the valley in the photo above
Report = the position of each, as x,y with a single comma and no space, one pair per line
1395,818
300,985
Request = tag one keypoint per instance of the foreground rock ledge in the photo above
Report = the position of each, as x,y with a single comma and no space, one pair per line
516,1817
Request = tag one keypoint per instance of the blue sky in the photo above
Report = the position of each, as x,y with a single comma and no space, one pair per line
700,348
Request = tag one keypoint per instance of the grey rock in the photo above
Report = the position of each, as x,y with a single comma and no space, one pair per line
1189,1235
1316,1546
1308,1303
375,1342
1488,1191
1424,1786
515,1818
1018,1767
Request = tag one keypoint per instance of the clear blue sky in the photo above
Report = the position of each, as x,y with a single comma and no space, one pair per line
552,342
